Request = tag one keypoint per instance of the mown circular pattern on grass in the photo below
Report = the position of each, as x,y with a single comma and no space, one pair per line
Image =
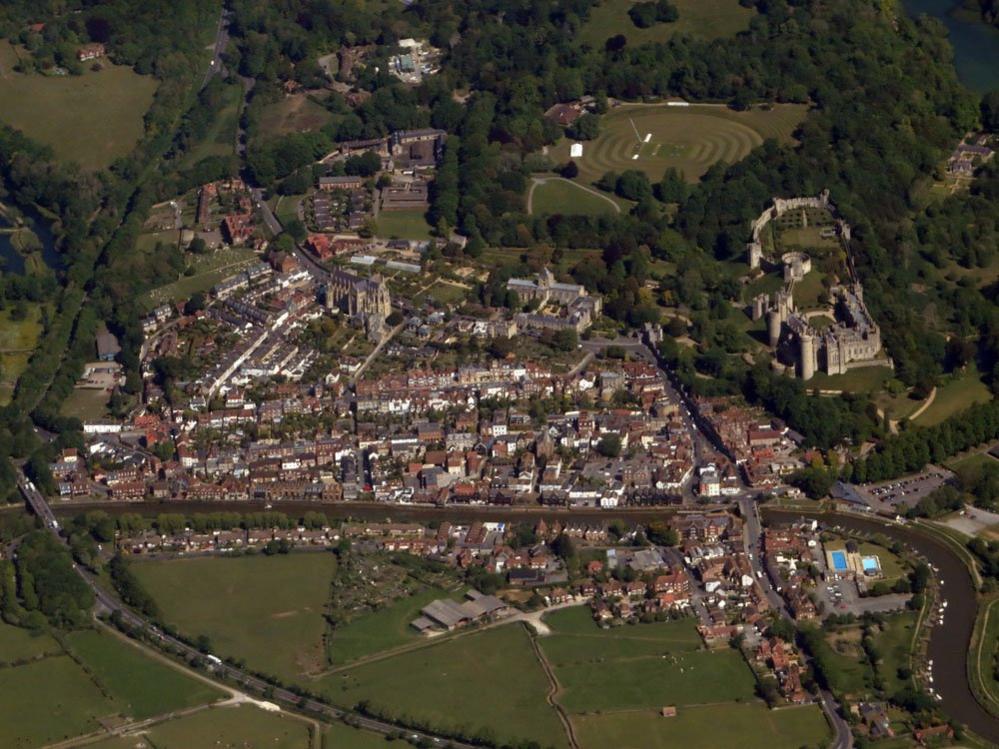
690,141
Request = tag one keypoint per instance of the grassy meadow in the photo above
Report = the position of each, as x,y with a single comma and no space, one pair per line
706,19
268,610
92,119
555,195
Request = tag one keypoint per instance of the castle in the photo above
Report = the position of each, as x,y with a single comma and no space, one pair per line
853,339
366,300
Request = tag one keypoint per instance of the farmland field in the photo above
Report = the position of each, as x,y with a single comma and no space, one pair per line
381,630
142,687
689,139
555,195
47,701
224,727
17,644
340,736
643,666
268,610
707,19
484,680
745,725
91,119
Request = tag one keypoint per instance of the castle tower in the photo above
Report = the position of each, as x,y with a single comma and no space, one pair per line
759,306
773,327
807,356
755,254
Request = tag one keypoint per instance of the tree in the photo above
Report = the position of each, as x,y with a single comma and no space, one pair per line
609,445
990,111
296,229
570,170
587,127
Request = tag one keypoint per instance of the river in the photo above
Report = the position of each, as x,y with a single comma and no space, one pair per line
948,647
976,44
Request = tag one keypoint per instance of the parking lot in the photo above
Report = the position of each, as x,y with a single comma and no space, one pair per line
901,494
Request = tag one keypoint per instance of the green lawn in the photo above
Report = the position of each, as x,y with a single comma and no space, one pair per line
91,119
849,673
707,19
268,610
562,196
576,639
86,404
690,139
239,727
895,643
296,113
47,701
956,395
746,725
141,685
409,224
381,630
485,680
650,681
340,736
17,340
860,380
807,291
17,644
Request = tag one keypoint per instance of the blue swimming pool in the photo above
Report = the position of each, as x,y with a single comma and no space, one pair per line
838,560
871,564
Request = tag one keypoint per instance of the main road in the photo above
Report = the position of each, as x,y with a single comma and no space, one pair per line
223,672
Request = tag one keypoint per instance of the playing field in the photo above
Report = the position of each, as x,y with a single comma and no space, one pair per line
142,687
91,119
744,725
707,19
268,610
555,195
485,680
409,224
653,139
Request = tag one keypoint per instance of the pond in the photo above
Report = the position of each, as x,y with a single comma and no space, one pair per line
12,261
976,44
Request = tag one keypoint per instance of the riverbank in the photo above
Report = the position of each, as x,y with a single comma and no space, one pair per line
975,42
948,645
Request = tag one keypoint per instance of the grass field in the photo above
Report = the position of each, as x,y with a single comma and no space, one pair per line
268,610
707,19
690,139
296,113
565,197
487,679
956,395
403,225
86,404
142,687
242,727
381,630
17,644
895,643
747,726
17,341
340,736
91,119
220,140
807,291
47,701
644,666
861,380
